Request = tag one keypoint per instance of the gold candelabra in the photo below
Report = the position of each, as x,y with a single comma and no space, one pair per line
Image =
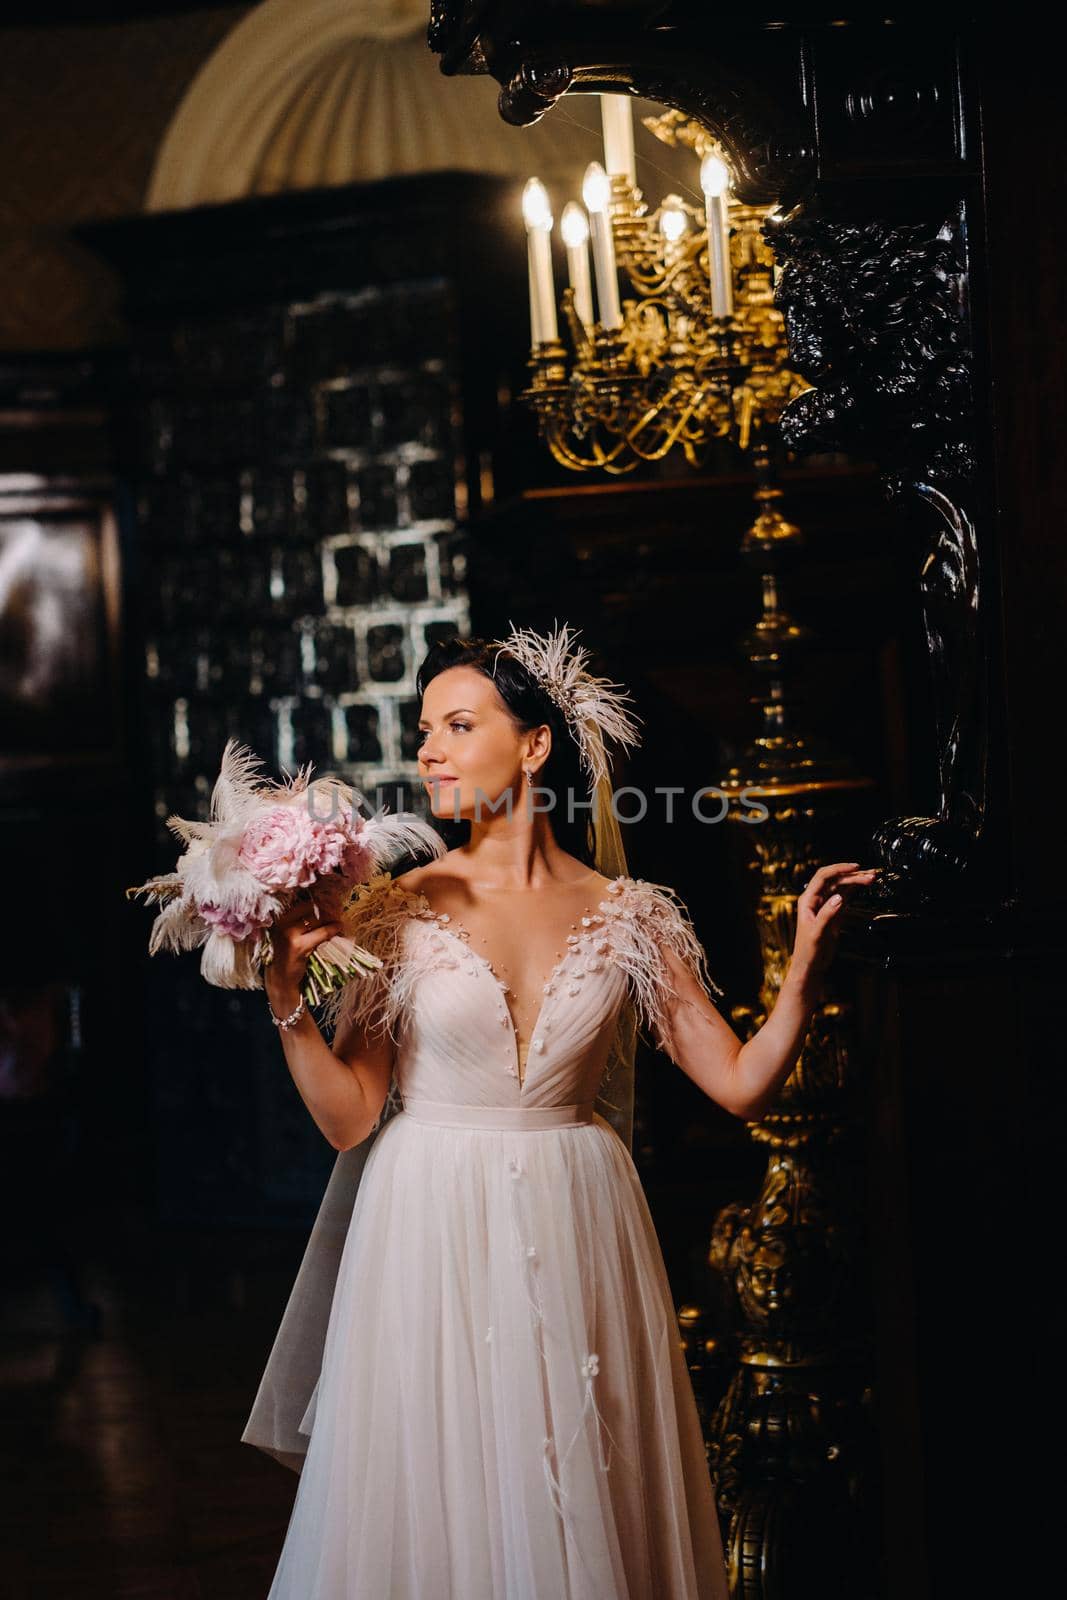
696,353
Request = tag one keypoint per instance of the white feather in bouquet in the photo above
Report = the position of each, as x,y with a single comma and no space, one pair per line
267,845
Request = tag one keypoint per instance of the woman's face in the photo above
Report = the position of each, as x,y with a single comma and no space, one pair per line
470,751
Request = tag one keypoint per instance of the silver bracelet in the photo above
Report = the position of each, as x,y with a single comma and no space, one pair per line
292,1019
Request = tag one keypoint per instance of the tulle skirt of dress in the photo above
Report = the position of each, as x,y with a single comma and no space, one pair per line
504,1411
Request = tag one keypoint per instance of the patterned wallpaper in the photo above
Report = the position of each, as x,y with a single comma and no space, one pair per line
82,111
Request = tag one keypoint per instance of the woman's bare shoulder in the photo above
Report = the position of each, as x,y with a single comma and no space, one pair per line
417,878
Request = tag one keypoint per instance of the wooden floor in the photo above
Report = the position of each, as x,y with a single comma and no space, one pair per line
123,1471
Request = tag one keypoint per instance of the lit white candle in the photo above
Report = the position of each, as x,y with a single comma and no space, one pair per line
574,226
537,214
673,224
714,180
616,116
596,191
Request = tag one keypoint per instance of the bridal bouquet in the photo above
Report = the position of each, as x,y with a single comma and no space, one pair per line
266,846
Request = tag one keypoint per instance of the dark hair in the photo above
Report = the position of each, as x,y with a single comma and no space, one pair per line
530,706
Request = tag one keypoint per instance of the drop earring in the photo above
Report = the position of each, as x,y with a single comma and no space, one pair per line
529,776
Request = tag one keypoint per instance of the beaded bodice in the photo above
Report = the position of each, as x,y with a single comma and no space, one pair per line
585,954
447,1009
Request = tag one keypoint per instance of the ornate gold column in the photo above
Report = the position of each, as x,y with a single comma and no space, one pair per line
788,1440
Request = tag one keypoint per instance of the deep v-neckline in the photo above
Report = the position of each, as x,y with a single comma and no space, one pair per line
454,929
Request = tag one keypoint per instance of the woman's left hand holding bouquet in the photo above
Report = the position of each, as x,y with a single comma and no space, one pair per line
293,936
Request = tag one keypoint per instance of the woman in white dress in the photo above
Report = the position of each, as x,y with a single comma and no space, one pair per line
478,1375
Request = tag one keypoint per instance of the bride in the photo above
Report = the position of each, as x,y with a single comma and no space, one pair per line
478,1375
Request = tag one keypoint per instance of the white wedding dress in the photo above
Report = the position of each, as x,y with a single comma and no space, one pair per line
480,1356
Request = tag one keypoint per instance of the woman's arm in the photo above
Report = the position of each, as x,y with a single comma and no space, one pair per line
745,1077
344,1088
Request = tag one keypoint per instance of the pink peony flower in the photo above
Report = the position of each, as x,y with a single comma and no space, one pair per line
279,848
289,848
328,843
234,924
340,847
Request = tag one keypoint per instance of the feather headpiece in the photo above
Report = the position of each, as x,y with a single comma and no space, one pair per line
594,707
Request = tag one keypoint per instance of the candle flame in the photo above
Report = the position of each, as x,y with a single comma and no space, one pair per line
536,207
673,221
574,225
714,175
596,188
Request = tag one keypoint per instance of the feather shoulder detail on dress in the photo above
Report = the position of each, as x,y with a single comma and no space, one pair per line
647,921
643,921
375,915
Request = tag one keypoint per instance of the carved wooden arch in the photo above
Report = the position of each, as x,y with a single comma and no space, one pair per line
764,134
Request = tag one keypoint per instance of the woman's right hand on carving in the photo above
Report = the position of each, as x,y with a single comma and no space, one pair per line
293,936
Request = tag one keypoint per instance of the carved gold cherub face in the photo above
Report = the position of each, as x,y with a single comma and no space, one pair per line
767,1275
